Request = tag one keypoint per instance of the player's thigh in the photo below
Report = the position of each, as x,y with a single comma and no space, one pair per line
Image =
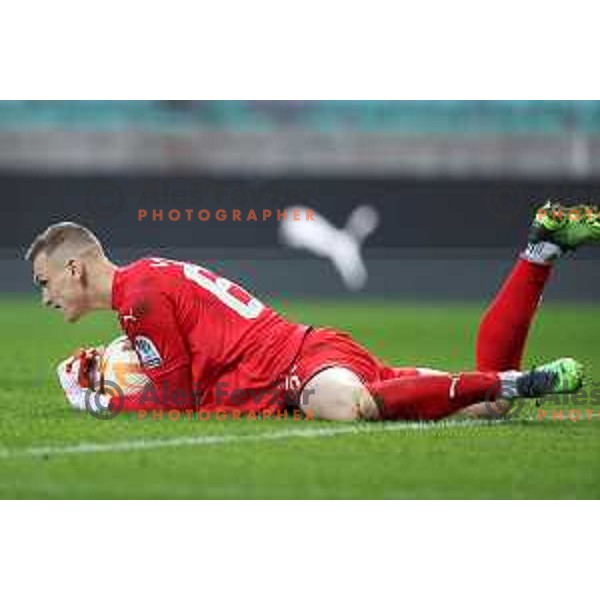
338,394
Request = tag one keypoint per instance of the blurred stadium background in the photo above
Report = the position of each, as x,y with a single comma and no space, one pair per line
453,182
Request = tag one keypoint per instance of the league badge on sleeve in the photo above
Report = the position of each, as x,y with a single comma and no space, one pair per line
147,352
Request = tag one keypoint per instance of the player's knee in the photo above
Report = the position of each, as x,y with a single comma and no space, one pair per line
354,400
338,402
358,397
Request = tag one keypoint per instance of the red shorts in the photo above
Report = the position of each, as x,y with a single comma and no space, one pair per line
321,349
325,348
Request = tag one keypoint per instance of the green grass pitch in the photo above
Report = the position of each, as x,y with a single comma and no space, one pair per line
523,458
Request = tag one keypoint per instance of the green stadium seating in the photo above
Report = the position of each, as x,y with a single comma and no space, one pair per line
410,117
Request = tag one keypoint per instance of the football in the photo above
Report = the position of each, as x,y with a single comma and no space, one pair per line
119,369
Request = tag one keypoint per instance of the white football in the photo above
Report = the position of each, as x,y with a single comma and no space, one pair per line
120,370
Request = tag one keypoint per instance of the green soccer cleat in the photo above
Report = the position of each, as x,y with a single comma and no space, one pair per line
561,376
566,226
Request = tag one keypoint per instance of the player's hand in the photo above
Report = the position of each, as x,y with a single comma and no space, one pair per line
88,361
68,372
74,376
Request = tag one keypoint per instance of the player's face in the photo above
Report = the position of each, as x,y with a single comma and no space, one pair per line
61,285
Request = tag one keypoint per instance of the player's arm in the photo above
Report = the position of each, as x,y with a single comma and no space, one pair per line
163,354
168,391
171,390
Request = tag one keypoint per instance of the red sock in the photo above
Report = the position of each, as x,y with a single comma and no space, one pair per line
505,325
431,397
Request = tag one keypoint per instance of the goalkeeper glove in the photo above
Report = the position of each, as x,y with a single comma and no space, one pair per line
76,375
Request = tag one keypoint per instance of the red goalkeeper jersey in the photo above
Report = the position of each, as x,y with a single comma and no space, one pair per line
204,341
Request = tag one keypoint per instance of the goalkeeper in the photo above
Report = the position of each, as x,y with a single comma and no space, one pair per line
207,344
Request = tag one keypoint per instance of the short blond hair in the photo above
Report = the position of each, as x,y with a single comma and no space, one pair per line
77,236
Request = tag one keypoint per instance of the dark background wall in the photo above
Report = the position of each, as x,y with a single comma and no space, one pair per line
438,238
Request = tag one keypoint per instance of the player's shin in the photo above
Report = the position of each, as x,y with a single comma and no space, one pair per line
433,397
505,325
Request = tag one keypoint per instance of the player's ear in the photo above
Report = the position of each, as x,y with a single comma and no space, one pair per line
75,268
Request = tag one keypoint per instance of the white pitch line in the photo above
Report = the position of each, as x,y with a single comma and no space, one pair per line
209,440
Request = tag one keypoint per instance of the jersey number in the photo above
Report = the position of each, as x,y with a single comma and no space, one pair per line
227,292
